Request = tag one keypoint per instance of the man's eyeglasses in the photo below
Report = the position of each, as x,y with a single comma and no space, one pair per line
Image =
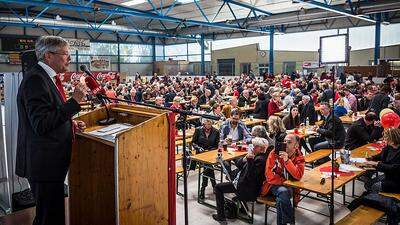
60,53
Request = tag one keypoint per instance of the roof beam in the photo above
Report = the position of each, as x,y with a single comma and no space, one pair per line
335,9
128,12
251,7
60,27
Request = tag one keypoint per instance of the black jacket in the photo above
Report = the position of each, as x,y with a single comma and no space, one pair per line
360,134
379,102
389,165
44,128
251,177
207,143
243,101
326,95
328,128
203,99
261,108
308,111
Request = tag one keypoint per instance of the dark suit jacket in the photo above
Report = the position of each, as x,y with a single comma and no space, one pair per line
207,143
44,129
243,101
251,177
360,134
328,128
308,111
379,101
261,109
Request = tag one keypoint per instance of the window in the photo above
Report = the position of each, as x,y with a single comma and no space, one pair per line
245,68
226,67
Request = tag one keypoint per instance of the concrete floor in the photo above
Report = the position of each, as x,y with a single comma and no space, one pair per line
201,215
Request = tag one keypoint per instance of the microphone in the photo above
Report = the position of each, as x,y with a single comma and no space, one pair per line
99,92
94,87
84,69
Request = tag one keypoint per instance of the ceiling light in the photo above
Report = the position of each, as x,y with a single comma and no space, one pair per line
133,2
113,23
386,23
185,1
58,17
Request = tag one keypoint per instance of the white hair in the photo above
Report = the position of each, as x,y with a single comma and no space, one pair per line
262,142
48,44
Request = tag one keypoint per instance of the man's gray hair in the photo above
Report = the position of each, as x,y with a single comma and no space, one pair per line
259,131
262,142
48,44
306,97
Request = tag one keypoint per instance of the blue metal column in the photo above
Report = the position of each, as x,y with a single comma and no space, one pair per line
271,50
203,65
377,53
119,54
153,42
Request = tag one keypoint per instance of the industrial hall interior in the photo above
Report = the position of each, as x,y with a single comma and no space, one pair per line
200,112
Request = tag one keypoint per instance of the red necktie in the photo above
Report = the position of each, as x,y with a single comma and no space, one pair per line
60,88
62,93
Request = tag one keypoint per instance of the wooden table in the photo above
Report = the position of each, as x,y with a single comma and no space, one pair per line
210,157
304,133
311,179
247,109
209,160
253,122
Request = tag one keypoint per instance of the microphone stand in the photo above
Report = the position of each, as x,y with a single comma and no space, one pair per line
183,114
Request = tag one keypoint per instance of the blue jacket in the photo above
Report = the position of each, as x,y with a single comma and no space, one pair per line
242,131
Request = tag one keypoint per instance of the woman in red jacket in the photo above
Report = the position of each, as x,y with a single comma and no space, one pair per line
275,105
282,166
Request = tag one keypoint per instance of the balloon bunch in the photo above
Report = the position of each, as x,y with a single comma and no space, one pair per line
389,119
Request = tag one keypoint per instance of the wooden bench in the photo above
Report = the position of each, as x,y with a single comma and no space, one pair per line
362,215
268,201
314,156
179,156
393,195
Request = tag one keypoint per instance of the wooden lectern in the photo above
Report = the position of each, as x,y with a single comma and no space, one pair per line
127,182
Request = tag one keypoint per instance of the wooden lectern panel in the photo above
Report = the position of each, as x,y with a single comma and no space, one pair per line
143,175
91,182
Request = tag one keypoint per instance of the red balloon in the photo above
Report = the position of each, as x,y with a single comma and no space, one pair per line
390,120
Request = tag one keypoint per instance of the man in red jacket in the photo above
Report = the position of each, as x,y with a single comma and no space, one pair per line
282,166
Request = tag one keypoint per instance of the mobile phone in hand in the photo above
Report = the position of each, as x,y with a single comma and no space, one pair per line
280,147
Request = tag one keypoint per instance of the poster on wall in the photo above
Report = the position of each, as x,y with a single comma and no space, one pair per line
311,65
100,76
100,63
78,44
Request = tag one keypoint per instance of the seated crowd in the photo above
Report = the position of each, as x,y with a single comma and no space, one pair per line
285,103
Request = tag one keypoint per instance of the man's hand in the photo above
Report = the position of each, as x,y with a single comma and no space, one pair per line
250,155
79,92
284,156
80,125
371,163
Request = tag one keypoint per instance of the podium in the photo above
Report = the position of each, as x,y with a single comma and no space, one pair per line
130,180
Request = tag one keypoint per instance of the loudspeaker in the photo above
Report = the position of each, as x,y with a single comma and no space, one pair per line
28,60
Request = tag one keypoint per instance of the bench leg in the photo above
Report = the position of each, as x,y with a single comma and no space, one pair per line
266,215
252,213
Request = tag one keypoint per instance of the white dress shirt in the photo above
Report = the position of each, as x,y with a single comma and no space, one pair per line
52,74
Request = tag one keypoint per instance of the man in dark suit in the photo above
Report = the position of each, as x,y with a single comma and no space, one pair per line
206,138
381,100
248,180
244,99
307,110
45,129
332,133
363,131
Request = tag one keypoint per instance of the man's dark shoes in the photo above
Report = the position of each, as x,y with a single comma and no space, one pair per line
216,217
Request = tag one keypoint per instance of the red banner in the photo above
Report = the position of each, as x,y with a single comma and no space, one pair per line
102,76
